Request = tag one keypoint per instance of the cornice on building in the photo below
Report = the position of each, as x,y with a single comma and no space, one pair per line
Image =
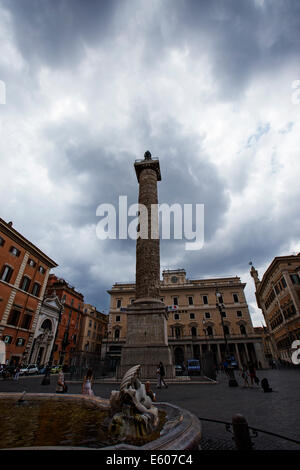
271,268
13,234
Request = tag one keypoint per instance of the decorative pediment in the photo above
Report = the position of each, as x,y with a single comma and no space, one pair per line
52,302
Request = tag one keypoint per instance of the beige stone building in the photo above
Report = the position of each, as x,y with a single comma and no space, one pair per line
278,296
92,329
194,320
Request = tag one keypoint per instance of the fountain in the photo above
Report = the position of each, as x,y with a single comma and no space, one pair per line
128,420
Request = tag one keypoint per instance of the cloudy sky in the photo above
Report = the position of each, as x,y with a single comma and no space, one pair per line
209,87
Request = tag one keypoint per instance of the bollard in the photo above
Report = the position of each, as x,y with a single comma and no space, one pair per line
241,433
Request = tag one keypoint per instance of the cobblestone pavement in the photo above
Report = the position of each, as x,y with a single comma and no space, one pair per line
276,412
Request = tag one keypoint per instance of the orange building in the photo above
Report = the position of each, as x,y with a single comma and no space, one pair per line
67,336
24,271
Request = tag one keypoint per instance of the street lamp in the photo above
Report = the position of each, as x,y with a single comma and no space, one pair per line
232,381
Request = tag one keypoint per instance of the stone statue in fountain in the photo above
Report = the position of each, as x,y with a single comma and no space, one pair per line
134,415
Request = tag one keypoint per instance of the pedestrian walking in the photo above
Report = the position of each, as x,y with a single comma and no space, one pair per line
225,366
16,373
61,386
244,375
46,378
160,375
87,383
252,373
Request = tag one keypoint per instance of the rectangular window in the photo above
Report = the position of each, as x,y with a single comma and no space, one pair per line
41,270
175,300
191,301
192,316
20,342
118,318
239,313
13,318
31,263
26,321
119,303
235,298
25,283
220,298
176,316
36,289
2,241
8,339
295,278
14,251
224,314
207,315
283,282
205,299
6,273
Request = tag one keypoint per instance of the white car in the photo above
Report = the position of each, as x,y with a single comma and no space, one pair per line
29,370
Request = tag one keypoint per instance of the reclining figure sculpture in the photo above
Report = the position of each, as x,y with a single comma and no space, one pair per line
134,415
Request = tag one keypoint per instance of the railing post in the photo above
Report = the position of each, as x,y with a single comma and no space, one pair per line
241,433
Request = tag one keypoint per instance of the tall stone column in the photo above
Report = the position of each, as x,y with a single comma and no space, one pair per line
146,337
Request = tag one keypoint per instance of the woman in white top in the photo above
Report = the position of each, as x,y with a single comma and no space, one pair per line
87,383
61,386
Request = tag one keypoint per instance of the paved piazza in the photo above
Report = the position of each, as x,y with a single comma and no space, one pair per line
276,412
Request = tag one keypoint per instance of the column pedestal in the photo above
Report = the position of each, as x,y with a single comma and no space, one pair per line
146,340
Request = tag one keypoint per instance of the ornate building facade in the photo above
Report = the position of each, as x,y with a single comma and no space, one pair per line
45,332
67,338
278,296
198,319
24,271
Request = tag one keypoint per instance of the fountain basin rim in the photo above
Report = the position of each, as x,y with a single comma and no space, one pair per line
182,430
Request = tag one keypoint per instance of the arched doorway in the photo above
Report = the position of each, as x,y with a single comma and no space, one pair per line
179,355
46,325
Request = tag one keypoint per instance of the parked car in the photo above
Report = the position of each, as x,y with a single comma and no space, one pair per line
56,369
31,369
193,367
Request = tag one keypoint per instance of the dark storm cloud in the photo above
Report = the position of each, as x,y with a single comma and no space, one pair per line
241,41
242,38
55,32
